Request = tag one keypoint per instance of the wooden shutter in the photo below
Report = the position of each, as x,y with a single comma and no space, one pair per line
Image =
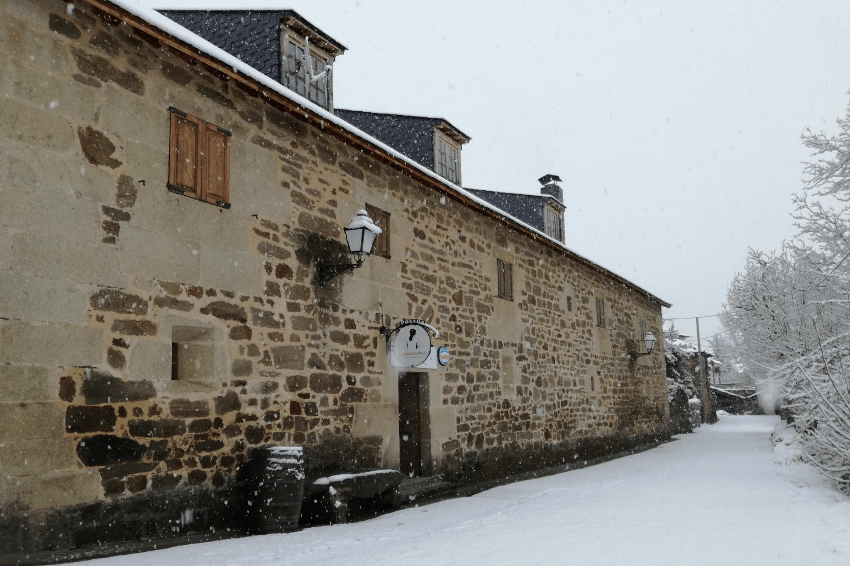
381,218
215,166
183,171
505,278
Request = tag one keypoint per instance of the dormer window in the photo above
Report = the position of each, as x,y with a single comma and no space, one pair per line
308,76
279,43
553,221
446,157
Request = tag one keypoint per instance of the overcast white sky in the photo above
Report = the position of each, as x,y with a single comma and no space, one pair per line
675,125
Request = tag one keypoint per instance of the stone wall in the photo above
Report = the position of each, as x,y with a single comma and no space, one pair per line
102,271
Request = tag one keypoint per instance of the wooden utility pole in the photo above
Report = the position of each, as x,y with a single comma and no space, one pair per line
700,356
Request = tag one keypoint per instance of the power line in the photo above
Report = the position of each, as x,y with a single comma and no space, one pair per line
690,317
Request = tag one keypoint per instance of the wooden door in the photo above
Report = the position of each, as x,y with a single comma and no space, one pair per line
410,423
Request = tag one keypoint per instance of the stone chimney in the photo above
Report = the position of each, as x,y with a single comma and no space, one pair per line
550,187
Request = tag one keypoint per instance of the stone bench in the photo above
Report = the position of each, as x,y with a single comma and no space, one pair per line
337,490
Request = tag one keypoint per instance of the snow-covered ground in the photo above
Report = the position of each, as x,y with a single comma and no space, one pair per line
720,496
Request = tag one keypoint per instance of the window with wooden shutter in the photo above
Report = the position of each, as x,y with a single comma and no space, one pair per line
600,313
199,160
505,278
381,218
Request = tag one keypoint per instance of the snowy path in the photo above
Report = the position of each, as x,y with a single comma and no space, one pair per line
719,496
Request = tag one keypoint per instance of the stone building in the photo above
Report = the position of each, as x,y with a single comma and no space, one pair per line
163,210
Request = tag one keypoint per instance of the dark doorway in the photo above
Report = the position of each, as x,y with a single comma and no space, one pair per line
413,425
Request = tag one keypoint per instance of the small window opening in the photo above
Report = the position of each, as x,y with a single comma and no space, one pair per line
192,353
600,313
569,304
175,366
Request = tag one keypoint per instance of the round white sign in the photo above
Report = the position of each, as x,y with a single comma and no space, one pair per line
411,345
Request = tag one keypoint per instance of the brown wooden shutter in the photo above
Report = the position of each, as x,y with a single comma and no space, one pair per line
183,170
381,218
505,279
215,166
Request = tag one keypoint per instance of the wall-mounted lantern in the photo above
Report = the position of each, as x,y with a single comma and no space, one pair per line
648,342
360,236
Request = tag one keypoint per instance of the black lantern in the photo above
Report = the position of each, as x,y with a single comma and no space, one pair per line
360,236
648,343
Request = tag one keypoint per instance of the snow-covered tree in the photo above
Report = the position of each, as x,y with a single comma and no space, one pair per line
788,313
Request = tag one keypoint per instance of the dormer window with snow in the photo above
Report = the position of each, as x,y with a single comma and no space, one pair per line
279,43
310,76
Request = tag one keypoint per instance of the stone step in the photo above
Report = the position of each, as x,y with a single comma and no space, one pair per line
417,489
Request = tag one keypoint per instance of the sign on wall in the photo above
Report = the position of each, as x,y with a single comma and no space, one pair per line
409,344
412,344
443,356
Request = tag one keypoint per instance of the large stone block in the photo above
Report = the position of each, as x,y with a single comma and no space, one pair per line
5,248
102,449
39,299
253,174
506,323
22,421
223,268
27,384
443,424
33,126
66,177
151,360
50,344
158,255
101,387
180,217
66,259
60,489
115,118
359,294
49,212
147,163
288,357
37,456
40,49
82,419
69,98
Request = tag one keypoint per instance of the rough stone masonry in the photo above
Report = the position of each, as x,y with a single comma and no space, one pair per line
110,286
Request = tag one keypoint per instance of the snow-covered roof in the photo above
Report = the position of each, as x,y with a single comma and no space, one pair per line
239,68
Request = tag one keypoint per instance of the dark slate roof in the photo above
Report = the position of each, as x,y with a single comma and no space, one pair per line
250,35
412,136
524,207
